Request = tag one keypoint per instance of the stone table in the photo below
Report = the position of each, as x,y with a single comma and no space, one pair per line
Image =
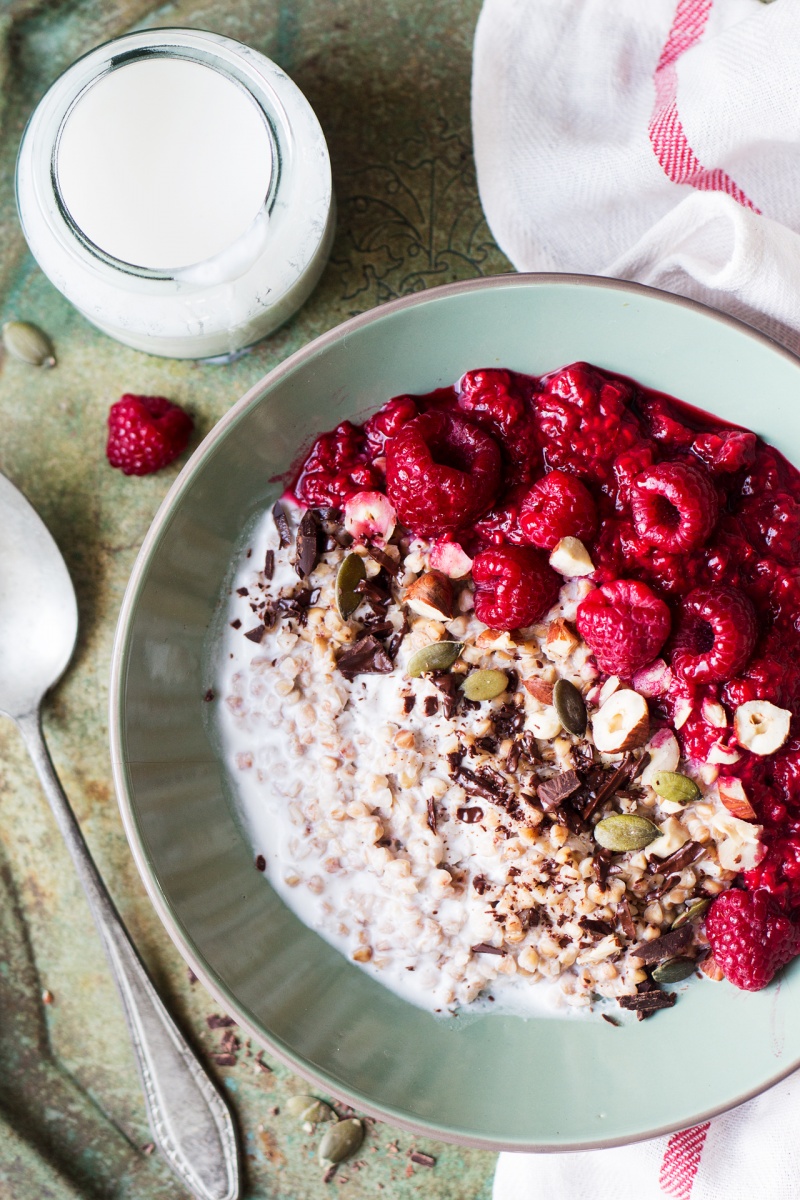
389,80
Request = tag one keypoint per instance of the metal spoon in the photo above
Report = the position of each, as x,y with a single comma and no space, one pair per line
38,627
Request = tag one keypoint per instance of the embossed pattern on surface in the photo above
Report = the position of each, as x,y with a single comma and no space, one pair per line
389,80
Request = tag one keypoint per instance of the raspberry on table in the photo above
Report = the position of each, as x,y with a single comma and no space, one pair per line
514,586
625,624
716,635
146,433
442,472
674,506
749,939
558,506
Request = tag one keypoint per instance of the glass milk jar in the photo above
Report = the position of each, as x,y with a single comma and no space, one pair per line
175,186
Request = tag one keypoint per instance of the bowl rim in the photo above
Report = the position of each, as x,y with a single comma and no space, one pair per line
179,935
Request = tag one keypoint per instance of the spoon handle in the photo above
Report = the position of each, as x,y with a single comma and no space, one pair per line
189,1118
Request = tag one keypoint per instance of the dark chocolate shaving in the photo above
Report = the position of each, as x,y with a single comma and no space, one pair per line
384,560
625,919
681,858
648,1002
470,815
242,591
471,783
281,524
601,927
269,564
610,1020
527,744
513,757
553,792
261,862
408,704
667,946
366,657
209,696
423,1160
480,884
256,634
307,544
485,948
431,706
508,720
236,623
431,814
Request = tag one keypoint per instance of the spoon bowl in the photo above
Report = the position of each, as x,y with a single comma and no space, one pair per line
38,610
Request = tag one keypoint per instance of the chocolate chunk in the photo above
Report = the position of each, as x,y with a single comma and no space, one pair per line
601,927
236,624
485,948
384,560
470,815
527,743
242,591
604,785
281,524
209,696
508,720
666,946
408,703
625,919
681,858
513,757
553,792
480,884
424,1160
611,1020
648,1002
256,633
215,1022
307,544
431,706
366,657
261,863
269,564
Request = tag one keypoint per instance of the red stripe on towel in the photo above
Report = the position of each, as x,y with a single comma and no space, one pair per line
681,1161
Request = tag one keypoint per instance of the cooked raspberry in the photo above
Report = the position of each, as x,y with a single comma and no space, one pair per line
501,524
749,940
663,426
388,421
716,635
778,873
584,421
514,586
558,506
727,451
775,589
674,506
494,400
336,468
442,472
145,433
773,523
626,467
625,624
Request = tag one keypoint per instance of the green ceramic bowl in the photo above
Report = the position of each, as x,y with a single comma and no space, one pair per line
497,1082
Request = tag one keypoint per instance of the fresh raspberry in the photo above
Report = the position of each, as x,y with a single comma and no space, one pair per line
585,422
442,472
625,624
674,506
388,421
716,635
748,940
494,400
726,451
145,433
514,586
558,506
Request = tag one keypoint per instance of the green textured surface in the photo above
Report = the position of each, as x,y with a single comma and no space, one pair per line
389,81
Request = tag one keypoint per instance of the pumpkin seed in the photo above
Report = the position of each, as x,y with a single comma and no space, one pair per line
27,343
484,685
340,1141
570,707
436,656
348,577
673,970
677,788
624,832
693,913
308,1109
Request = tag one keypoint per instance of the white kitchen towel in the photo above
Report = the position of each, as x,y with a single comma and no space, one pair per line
751,1153
655,140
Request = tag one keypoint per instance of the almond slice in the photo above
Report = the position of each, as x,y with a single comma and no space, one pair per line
734,797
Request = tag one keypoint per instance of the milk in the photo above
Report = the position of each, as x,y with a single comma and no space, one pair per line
164,163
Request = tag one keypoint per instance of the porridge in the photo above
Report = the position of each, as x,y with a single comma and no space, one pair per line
505,688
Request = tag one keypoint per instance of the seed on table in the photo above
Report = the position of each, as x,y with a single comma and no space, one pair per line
309,1110
27,343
